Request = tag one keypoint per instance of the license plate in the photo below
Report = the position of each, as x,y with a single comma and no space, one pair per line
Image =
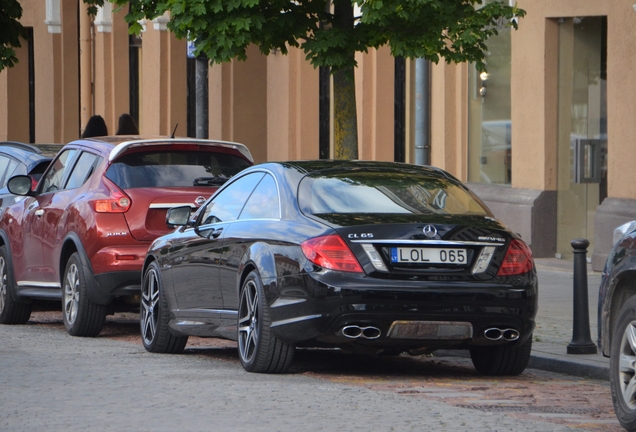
423,255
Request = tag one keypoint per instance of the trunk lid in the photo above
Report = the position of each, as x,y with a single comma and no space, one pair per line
457,248
157,178
146,217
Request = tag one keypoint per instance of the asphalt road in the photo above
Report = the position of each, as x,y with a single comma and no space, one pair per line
54,382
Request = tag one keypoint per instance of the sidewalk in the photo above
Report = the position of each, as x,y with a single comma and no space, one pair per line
554,320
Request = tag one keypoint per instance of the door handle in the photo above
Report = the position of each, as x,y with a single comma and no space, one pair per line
39,212
216,233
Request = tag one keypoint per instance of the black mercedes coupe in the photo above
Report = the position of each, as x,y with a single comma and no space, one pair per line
371,256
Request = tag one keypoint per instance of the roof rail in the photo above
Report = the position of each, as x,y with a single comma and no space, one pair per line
21,145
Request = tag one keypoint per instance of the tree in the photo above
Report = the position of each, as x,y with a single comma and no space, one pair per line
330,33
10,32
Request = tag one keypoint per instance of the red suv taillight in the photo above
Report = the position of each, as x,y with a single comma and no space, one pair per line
117,202
518,259
331,252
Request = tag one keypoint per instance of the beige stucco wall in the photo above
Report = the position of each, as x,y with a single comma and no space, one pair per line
621,110
56,77
534,97
45,50
534,100
67,68
111,97
271,103
449,118
249,103
534,92
292,89
163,91
14,97
14,120
375,104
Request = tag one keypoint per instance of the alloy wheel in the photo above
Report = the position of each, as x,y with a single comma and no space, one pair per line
149,307
71,294
627,366
249,316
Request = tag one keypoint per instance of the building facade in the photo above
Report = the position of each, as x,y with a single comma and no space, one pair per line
543,138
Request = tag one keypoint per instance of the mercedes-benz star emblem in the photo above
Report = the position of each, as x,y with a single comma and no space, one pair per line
430,231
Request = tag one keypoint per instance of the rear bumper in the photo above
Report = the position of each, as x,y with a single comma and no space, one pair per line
432,314
117,271
121,283
119,259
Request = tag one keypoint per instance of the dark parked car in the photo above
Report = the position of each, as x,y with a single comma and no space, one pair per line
81,236
359,255
19,158
617,322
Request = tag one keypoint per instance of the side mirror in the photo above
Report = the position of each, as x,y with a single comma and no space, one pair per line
20,185
178,216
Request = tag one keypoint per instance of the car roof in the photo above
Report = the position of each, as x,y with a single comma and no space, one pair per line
16,147
29,154
121,143
309,167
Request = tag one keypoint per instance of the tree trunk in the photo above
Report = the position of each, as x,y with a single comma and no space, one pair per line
344,91
345,115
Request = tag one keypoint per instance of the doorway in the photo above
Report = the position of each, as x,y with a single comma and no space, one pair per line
582,129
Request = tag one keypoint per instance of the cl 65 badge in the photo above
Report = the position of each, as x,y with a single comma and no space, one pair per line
361,235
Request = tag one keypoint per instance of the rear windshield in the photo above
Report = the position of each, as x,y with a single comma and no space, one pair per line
171,168
385,192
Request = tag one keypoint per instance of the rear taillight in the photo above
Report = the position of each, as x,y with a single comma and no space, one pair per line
117,202
331,252
518,259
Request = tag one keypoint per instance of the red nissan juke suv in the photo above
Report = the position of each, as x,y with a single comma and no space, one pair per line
81,235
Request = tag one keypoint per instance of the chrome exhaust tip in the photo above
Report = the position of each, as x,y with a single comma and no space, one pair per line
493,334
510,334
354,332
371,332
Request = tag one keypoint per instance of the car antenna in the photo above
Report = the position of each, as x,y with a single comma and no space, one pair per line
175,130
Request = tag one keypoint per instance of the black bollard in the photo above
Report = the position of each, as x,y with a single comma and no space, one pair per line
581,340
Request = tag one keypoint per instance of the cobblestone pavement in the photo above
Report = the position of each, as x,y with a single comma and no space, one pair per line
54,381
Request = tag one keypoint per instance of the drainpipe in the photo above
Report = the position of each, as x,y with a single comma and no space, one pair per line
201,92
86,66
422,112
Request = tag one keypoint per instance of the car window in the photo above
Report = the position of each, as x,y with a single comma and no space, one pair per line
4,162
12,170
82,170
385,192
53,178
174,168
37,171
263,203
227,204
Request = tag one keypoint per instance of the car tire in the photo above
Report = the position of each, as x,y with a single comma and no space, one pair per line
259,349
154,316
622,365
501,359
11,311
81,316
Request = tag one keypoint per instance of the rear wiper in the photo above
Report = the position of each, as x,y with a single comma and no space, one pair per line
210,181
